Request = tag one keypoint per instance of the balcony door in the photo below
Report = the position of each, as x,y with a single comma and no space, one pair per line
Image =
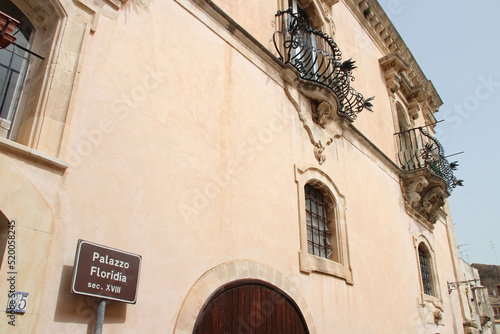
305,55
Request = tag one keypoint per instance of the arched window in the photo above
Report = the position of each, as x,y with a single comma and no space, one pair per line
404,139
14,61
311,11
323,232
425,269
403,119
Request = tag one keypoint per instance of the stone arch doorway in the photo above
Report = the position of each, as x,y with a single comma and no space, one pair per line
25,207
250,306
4,228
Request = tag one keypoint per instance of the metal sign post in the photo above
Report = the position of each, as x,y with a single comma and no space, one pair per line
105,273
99,318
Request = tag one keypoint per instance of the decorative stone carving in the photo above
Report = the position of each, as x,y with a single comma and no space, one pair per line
470,327
109,8
431,312
424,194
393,65
393,84
330,2
413,189
415,95
318,154
396,68
438,317
432,201
321,113
414,110
318,151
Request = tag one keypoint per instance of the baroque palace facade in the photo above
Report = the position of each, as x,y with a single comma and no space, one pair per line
228,144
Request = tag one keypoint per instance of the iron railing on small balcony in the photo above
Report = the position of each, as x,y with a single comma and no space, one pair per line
417,149
317,58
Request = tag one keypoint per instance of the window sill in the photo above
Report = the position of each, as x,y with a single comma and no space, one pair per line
435,301
310,263
16,149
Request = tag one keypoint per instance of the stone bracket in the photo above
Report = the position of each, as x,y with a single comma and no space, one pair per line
424,195
395,68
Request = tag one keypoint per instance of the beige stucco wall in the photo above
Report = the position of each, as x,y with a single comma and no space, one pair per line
31,228
182,148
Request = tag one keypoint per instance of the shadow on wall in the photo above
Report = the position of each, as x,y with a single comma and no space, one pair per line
79,309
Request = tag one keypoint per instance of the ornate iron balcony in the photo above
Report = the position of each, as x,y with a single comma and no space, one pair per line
417,149
317,58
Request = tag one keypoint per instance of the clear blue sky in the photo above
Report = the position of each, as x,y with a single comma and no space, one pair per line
457,45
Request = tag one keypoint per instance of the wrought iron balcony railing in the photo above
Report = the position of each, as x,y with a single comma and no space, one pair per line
417,149
317,58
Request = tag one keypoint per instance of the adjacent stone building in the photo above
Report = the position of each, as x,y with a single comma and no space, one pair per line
478,298
237,147
490,278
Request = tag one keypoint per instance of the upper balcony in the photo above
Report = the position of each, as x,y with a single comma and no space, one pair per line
417,150
317,58
429,176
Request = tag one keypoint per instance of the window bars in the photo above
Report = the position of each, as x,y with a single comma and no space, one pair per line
417,149
318,234
424,269
13,69
317,58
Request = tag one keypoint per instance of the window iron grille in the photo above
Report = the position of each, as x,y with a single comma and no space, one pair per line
424,270
318,233
15,59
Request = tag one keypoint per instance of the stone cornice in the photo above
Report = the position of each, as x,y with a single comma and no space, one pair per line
376,22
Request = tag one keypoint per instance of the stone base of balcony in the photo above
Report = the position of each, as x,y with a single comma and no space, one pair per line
424,195
316,92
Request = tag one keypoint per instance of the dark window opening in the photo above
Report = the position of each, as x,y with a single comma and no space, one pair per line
318,233
496,311
425,270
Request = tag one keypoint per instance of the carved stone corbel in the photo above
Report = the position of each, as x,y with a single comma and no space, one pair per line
393,83
413,189
424,194
414,109
393,65
432,201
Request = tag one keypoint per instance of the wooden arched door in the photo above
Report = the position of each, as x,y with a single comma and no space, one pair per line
250,306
